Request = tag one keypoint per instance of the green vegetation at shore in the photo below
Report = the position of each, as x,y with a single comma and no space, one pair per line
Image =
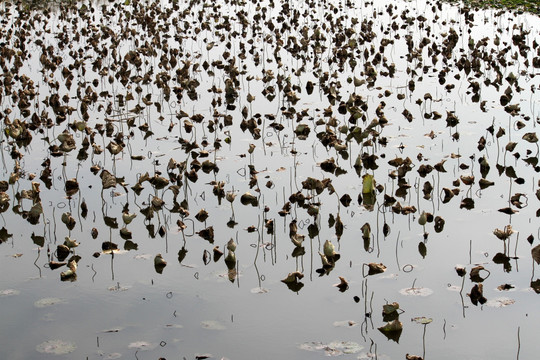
532,6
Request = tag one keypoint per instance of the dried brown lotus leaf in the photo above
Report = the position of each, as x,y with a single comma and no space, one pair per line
504,233
70,243
108,180
35,213
293,277
202,215
374,268
329,249
535,252
485,183
475,274
390,308
159,261
530,137
461,271
128,217
207,234
247,199
343,285
477,294
157,203
125,233
422,320
392,326
159,182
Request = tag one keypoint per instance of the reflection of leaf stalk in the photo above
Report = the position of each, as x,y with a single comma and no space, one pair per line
461,295
35,261
95,272
424,343
112,254
397,242
519,344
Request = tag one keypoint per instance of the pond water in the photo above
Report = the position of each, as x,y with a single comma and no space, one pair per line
257,179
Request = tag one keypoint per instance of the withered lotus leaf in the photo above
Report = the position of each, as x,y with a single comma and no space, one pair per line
374,268
535,252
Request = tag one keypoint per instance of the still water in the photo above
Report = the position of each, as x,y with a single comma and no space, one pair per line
193,155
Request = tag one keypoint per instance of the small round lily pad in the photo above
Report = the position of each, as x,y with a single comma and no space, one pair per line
56,347
212,325
334,348
259,290
500,302
9,292
416,291
142,345
46,302
422,320
113,356
345,323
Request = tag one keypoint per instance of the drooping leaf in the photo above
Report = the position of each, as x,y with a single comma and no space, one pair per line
4,235
343,284
108,180
477,295
530,137
422,249
367,184
392,330
535,252
374,268
390,308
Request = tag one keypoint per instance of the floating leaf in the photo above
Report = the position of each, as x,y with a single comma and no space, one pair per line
142,345
500,302
335,348
212,325
56,347
345,323
9,292
505,287
48,302
416,291
422,320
